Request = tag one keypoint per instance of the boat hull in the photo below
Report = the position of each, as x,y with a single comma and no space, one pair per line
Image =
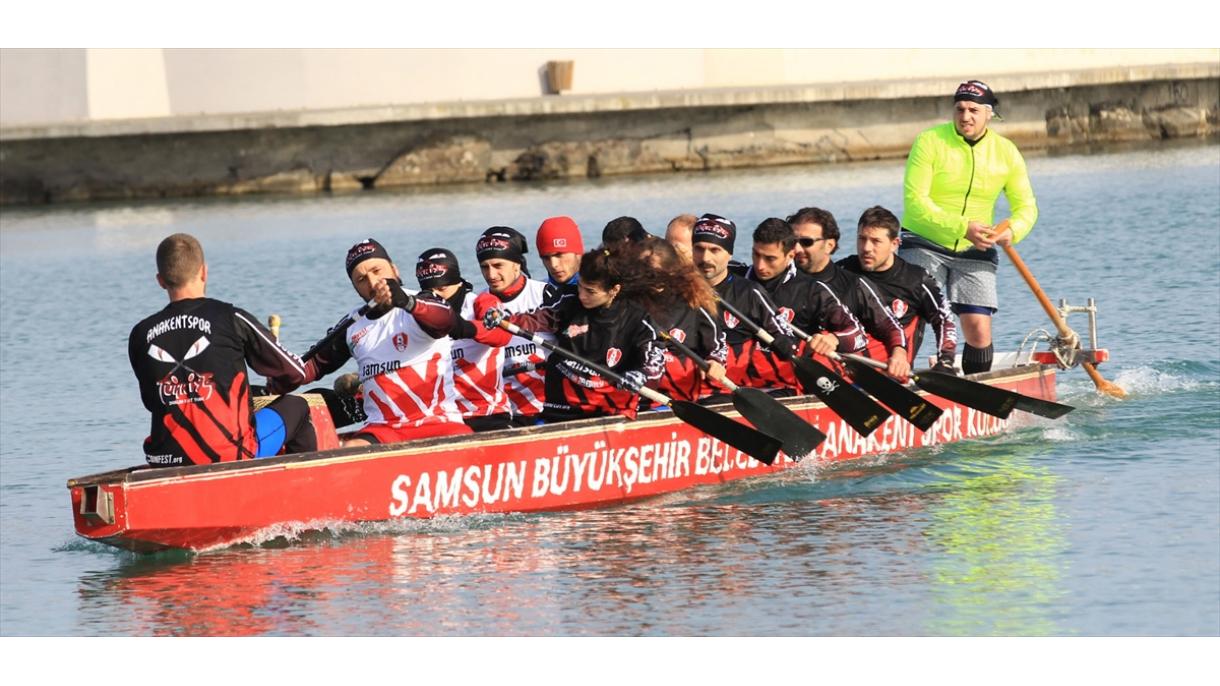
575,465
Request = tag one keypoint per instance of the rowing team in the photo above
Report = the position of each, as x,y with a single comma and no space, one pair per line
441,361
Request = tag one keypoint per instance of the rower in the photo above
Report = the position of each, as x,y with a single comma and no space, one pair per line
678,303
623,230
678,233
912,295
523,364
398,346
817,239
190,361
807,304
596,325
477,359
712,240
560,247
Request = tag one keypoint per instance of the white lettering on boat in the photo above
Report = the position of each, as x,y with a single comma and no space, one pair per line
602,472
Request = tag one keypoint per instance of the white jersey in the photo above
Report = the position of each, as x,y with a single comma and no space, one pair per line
405,373
477,373
524,362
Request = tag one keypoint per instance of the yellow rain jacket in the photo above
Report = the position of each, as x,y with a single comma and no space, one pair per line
949,183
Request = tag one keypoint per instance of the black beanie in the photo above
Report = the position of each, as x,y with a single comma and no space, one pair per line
712,228
502,242
365,250
436,268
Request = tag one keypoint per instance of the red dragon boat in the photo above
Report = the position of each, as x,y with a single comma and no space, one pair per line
575,465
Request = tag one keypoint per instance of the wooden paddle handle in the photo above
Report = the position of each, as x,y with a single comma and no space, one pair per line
1065,331
1057,319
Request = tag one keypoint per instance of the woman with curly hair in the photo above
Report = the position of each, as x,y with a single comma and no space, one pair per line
602,326
678,300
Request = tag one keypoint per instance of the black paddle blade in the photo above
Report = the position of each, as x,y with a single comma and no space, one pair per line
1040,407
994,401
748,440
847,401
903,401
768,414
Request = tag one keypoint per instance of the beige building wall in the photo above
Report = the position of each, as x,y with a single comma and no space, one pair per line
55,86
126,83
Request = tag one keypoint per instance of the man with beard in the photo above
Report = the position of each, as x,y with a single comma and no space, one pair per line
806,304
912,295
817,238
748,363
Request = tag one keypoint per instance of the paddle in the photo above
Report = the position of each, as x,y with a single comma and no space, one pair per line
749,440
856,408
768,414
903,401
1065,331
995,401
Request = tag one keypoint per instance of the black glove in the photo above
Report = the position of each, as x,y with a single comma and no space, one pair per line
783,347
400,298
633,381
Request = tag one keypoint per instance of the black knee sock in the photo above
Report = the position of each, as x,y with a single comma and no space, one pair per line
976,360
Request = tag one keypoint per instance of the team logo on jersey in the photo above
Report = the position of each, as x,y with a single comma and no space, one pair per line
898,307
613,356
787,314
190,387
678,335
400,342
730,321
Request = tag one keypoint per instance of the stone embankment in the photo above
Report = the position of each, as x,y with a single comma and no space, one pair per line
561,137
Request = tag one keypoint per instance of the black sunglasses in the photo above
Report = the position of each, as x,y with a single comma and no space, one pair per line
807,242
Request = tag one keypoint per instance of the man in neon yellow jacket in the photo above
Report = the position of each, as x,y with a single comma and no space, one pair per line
954,174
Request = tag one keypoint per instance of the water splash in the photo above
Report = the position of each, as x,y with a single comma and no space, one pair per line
288,534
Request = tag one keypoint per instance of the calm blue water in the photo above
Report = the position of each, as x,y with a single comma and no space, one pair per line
1104,523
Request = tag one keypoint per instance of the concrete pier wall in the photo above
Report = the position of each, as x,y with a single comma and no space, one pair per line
522,139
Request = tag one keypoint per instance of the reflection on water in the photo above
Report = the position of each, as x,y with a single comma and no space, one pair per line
998,551
854,558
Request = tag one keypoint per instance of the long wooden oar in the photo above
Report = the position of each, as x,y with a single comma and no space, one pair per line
853,405
749,440
765,412
1065,331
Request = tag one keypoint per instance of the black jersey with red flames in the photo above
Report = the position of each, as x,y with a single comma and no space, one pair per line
748,362
190,361
914,298
617,336
811,306
864,301
697,330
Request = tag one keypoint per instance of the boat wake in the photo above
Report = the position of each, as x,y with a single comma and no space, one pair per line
1163,379
316,532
